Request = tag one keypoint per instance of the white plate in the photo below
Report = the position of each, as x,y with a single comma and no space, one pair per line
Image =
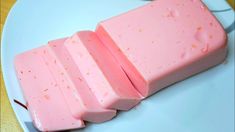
204,102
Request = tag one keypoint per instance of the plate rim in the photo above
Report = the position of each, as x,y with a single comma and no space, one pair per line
5,81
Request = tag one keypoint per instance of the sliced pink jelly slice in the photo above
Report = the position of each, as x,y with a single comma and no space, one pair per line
46,103
79,98
164,42
100,70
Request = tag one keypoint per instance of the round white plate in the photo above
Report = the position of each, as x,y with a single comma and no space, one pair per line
202,103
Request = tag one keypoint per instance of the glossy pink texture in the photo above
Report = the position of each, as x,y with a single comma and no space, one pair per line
101,71
78,96
164,42
46,103
128,57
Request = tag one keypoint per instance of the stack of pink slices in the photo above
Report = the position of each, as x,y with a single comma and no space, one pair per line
91,75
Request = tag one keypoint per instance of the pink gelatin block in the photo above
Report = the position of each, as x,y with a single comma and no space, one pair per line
101,71
46,103
164,42
78,96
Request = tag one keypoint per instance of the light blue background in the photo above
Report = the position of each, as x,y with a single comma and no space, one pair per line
202,103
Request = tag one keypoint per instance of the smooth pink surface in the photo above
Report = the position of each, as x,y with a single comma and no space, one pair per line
164,42
46,103
102,73
80,99
150,47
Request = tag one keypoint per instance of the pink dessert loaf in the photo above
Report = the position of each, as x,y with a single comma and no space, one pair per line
164,42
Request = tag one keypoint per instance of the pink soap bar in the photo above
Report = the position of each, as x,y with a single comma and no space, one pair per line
101,71
46,103
164,42
78,96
